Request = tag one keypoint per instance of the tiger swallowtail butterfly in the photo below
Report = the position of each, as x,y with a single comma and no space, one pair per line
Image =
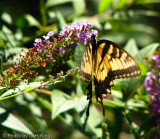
107,61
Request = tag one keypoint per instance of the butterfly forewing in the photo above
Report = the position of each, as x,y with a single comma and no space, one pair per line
86,72
122,64
87,64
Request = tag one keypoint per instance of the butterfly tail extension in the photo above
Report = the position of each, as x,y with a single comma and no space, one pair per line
102,89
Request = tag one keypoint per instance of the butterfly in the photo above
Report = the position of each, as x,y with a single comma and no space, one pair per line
106,61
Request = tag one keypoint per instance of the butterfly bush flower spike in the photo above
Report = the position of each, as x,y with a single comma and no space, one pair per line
45,49
152,84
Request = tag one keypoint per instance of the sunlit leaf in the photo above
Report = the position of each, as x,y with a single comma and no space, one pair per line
10,121
28,89
103,5
79,6
136,104
8,36
121,3
61,103
82,104
146,51
12,92
32,86
50,3
6,17
113,103
131,47
61,20
143,69
78,53
20,90
97,118
31,20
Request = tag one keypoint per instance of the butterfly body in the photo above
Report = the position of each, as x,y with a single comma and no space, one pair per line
106,61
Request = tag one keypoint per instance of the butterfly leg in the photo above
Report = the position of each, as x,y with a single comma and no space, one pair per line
100,100
89,96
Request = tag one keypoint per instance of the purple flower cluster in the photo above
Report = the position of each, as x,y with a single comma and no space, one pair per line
40,44
76,32
152,84
79,31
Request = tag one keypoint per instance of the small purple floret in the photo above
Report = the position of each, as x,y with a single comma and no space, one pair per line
46,37
62,51
15,67
38,40
50,33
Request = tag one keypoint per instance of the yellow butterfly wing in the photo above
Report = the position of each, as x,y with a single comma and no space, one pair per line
111,62
87,64
86,72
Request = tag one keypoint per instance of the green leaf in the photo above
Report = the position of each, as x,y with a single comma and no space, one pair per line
78,54
44,103
2,88
61,103
50,3
6,17
17,51
147,127
97,117
146,51
33,86
28,89
8,36
61,20
79,6
136,104
20,90
129,86
10,121
146,1
13,92
32,21
69,119
114,103
121,3
82,104
79,90
131,47
103,5
143,69
1,68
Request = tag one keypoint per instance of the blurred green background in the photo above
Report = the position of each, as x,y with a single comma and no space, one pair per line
60,113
